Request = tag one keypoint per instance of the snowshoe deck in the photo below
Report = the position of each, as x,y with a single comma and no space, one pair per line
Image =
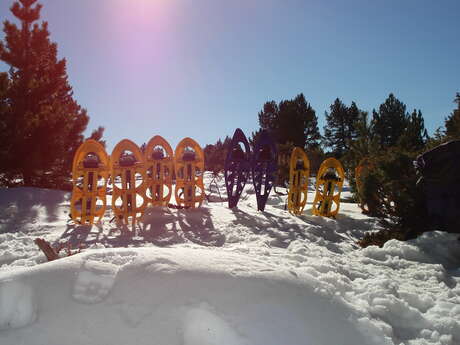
159,165
128,182
90,172
329,183
264,167
189,168
299,173
237,167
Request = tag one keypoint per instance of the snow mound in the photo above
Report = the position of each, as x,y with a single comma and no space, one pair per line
175,296
18,306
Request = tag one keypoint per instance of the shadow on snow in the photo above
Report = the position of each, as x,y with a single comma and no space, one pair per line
160,226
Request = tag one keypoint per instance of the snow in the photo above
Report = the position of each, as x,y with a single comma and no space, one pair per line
220,276
17,305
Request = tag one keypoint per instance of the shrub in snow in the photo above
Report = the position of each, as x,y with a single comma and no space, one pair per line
17,305
379,238
400,208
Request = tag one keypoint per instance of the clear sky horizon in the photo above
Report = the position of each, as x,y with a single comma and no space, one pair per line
202,68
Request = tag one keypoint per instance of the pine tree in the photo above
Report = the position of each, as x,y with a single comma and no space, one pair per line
4,114
309,121
364,146
44,122
389,122
415,135
452,122
215,155
291,128
268,116
335,129
98,133
292,121
354,115
366,143
340,130
254,137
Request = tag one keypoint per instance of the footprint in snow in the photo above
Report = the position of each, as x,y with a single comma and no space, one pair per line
162,264
94,281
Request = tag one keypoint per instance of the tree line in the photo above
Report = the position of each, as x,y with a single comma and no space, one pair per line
350,134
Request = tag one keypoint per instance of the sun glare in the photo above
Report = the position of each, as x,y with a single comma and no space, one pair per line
139,30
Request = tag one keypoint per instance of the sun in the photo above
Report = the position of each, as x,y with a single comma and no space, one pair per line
141,11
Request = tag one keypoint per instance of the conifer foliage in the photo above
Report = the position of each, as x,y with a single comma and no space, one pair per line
215,154
389,121
291,121
42,123
452,122
393,126
341,129
391,142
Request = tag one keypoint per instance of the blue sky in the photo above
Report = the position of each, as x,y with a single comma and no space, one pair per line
201,68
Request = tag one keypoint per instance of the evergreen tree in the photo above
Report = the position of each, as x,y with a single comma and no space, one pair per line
215,155
292,121
268,116
44,122
394,127
389,122
415,135
98,133
291,128
354,115
4,114
452,122
309,121
335,129
366,143
340,130
254,137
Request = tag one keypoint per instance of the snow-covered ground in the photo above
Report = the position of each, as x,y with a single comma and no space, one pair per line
220,276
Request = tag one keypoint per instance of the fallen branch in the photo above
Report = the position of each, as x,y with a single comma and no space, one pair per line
46,248
53,254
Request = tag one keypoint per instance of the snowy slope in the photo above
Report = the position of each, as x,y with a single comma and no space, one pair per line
220,276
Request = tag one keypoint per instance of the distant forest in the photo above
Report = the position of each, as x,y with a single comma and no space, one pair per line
350,133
